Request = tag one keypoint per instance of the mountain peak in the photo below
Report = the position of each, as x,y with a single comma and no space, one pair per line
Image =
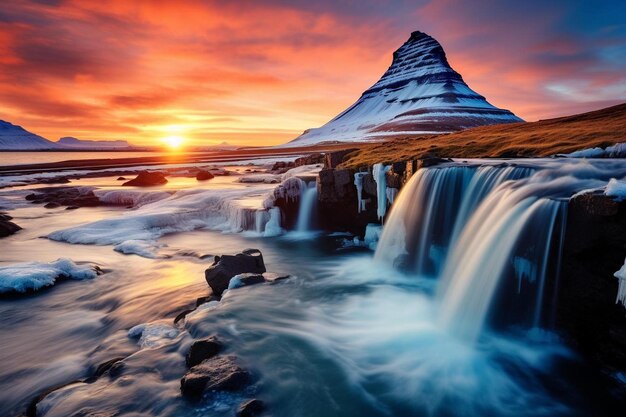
419,93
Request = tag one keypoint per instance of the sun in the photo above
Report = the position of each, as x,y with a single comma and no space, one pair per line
174,142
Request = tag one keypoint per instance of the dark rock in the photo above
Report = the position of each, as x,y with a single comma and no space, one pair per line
204,175
52,205
584,296
180,316
202,350
31,197
121,178
225,267
315,158
220,373
147,179
251,408
432,161
7,227
71,207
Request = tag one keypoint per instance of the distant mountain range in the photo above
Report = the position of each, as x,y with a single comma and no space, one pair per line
16,138
71,142
419,93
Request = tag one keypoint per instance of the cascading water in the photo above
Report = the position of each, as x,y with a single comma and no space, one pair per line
308,200
435,206
488,232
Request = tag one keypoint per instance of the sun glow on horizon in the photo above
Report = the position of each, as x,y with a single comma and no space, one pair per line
173,142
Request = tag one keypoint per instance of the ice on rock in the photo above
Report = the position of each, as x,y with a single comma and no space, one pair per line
616,151
621,290
133,198
391,194
616,189
372,235
152,335
379,171
32,276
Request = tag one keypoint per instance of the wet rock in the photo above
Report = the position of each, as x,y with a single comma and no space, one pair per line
7,227
71,207
73,197
251,408
121,178
52,205
220,373
225,267
147,179
202,350
432,161
204,175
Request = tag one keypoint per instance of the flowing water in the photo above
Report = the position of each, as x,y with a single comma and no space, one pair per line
346,335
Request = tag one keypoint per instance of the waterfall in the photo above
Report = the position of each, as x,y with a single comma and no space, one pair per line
490,233
308,201
432,209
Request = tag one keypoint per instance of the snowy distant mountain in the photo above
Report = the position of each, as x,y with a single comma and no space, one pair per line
419,93
16,138
74,143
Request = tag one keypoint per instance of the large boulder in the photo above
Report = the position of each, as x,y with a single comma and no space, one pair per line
147,179
220,373
225,267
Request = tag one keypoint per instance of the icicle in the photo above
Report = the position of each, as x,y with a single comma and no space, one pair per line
391,194
621,290
358,182
379,172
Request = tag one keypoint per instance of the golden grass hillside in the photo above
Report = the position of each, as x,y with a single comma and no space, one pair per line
543,138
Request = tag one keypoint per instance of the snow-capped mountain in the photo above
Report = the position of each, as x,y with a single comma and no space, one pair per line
16,138
419,93
74,143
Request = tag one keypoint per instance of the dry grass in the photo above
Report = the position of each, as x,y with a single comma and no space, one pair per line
543,138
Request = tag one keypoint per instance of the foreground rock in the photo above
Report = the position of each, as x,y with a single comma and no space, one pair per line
204,175
147,179
202,350
7,227
225,267
221,373
74,197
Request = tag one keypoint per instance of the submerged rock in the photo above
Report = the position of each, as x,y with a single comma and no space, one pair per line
202,350
147,179
204,175
226,267
220,373
251,408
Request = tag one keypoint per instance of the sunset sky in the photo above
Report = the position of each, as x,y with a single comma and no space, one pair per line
260,72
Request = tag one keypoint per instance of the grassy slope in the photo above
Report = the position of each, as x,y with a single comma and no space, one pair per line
543,138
